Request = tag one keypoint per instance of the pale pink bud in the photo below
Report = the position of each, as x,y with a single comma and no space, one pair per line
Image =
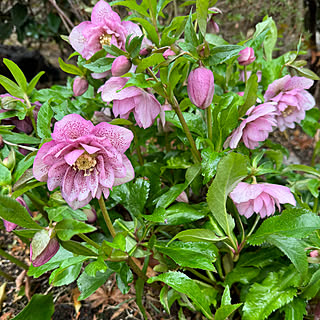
144,52
246,56
168,53
80,86
182,197
314,253
91,215
201,87
120,66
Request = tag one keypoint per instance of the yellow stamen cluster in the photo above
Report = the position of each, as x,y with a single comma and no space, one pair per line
105,39
86,163
289,110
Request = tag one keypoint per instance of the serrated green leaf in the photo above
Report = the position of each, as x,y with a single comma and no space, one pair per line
182,283
313,286
100,65
64,276
202,13
274,292
150,61
231,170
296,222
11,210
150,29
295,310
22,166
17,74
190,35
44,118
226,298
221,54
77,248
305,72
303,168
67,228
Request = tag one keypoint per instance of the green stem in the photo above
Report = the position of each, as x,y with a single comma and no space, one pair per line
245,75
106,217
253,227
315,205
136,269
209,122
13,259
6,276
30,113
202,277
196,155
88,240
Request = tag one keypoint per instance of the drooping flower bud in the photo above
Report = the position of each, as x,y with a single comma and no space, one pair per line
182,197
314,253
168,53
91,215
43,247
120,66
246,56
80,86
201,87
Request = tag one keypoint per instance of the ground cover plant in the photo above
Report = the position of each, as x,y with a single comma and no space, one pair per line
154,163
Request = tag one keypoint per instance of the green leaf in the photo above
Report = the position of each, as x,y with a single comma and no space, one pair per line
250,94
22,166
122,122
231,170
19,138
198,255
150,61
274,292
310,124
40,307
224,312
167,198
67,228
294,250
96,266
88,285
194,235
221,54
5,175
270,40
243,275
226,298
210,160
44,117
100,65
34,82
313,287
296,310
150,29
303,168
202,13
39,242
140,80
70,68
77,248
181,213
132,5
305,72
296,222
11,210
17,74
11,87
139,287
64,276
182,283
190,35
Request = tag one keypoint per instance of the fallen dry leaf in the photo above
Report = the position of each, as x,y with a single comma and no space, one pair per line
75,295
3,295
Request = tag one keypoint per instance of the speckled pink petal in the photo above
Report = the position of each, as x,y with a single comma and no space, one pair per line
129,172
80,181
56,174
77,38
123,108
71,127
275,87
298,82
118,136
93,182
40,170
106,174
69,190
72,156
102,12
76,204
90,149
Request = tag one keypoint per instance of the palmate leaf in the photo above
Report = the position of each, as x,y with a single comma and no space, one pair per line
277,290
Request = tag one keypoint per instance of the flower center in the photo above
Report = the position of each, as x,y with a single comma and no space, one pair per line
289,110
86,163
105,39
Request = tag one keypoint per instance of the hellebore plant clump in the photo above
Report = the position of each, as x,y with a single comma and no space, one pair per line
154,163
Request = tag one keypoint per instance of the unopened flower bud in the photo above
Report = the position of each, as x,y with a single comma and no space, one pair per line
314,253
144,52
168,53
43,247
8,103
246,56
91,215
120,66
80,86
201,87
182,197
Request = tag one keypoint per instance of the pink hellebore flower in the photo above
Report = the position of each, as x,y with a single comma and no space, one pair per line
145,106
120,66
260,198
10,225
255,128
80,86
105,28
201,87
246,56
84,160
291,98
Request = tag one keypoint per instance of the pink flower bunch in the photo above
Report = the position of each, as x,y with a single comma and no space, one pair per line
291,98
246,56
260,198
84,160
105,28
145,106
256,127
